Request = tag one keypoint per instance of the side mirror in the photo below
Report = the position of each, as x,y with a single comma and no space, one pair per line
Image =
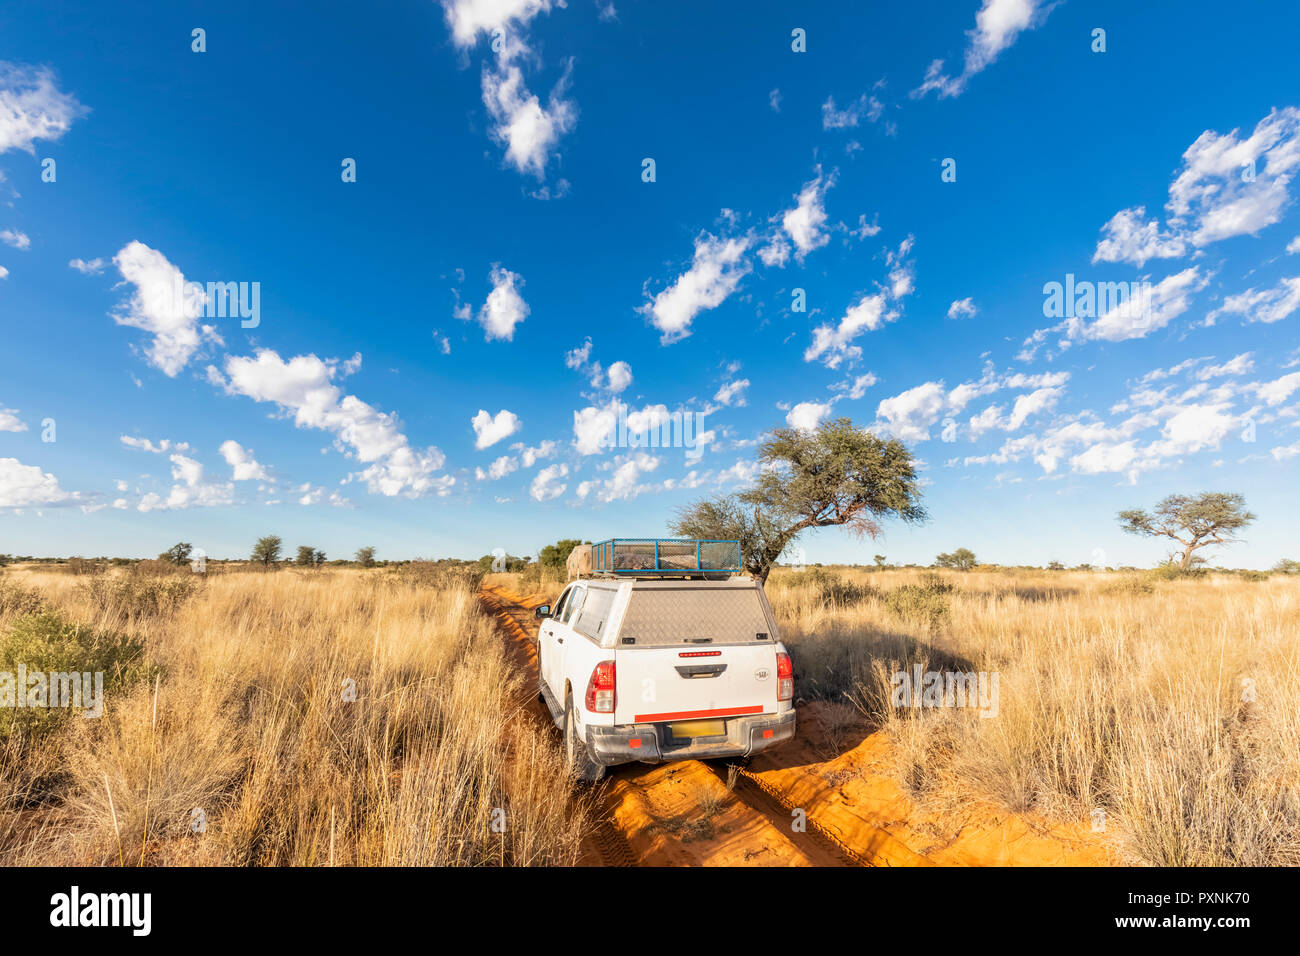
543,611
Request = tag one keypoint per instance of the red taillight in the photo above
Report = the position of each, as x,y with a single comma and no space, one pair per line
784,676
600,689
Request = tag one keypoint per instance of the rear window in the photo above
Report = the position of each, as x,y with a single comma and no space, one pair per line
594,615
687,615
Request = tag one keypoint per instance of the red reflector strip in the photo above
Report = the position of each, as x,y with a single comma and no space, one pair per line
691,714
700,654
634,743
766,734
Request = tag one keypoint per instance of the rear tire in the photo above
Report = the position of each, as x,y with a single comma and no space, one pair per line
577,759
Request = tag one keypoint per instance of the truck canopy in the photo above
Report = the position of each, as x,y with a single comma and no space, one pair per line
662,613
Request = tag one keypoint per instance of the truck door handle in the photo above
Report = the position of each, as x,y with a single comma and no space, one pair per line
700,670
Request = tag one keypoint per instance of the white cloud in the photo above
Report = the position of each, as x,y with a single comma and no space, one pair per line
315,496
1279,390
774,100
162,306
530,456
23,486
592,427
32,107
1238,365
498,469
732,393
163,446
578,358
1266,305
489,430
716,270
619,377
1226,187
189,489
93,267
304,386
505,307
856,387
806,415
851,115
4,273
1030,404
528,130
805,223
241,460
625,483
19,240
997,24
9,421
547,484
1293,246
910,414
1152,308
1130,237
962,308
1284,452
869,314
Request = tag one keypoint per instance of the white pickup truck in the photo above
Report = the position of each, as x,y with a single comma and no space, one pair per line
663,655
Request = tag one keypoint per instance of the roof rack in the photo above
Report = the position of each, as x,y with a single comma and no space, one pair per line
665,557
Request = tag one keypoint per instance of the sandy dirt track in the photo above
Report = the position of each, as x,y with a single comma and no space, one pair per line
692,813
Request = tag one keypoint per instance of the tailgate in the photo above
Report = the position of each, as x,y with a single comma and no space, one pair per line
658,684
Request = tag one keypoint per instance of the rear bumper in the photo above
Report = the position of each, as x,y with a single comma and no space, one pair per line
653,743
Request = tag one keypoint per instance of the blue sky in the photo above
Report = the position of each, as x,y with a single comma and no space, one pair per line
418,376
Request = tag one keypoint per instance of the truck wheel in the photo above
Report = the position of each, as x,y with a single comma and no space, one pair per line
576,758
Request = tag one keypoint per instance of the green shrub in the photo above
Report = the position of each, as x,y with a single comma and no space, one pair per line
45,643
19,600
1173,571
927,604
832,588
444,574
136,597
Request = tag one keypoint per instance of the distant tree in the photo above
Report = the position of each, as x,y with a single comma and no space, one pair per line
554,555
963,559
1055,566
1285,566
318,558
5,559
306,556
838,474
1194,521
178,553
880,560
267,551
366,557
502,562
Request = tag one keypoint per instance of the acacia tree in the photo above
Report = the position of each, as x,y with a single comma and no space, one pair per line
366,557
963,559
837,475
267,551
1194,521
178,553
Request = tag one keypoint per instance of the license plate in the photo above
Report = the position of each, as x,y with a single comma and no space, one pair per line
699,728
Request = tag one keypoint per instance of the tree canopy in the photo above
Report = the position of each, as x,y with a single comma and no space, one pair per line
835,475
1194,521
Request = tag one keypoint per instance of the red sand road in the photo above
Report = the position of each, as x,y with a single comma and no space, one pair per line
824,798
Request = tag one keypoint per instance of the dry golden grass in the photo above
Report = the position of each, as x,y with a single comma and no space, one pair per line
1115,692
247,722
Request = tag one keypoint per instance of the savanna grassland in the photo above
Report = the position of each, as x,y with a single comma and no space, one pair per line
1171,705
360,717
290,718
